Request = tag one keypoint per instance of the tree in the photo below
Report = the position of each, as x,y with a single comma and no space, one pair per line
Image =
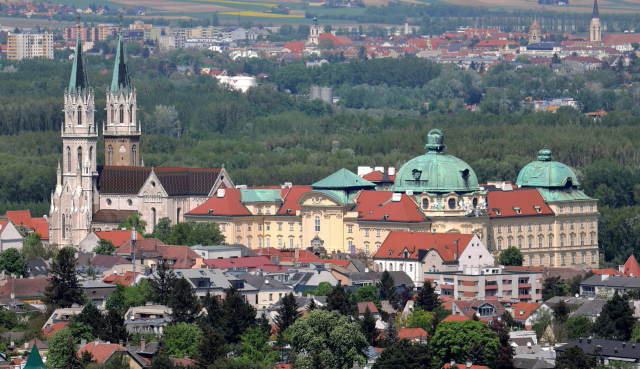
368,327
475,354
540,320
511,256
239,315
368,293
561,312
114,329
452,340
162,284
552,286
64,287
71,360
323,289
12,263
387,287
184,302
574,358
418,318
134,221
33,248
615,321
504,356
58,347
427,299
404,354
339,301
125,297
511,323
214,317
8,319
570,68
390,333
211,348
254,348
555,59
181,338
92,317
119,360
578,326
166,121
264,324
162,361
336,341
104,247
287,313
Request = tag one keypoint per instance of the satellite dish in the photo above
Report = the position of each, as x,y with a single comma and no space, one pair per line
577,295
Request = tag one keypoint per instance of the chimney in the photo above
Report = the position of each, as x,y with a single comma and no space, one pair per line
469,363
453,362
95,343
392,171
221,192
26,345
13,344
13,296
141,344
83,342
297,254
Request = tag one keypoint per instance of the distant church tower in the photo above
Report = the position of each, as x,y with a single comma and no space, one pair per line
314,32
535,34
121,132
595,29
72,201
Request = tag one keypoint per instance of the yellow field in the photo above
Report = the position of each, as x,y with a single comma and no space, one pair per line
247,13
239,2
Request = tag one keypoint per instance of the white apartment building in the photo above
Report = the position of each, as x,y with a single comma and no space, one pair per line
27,46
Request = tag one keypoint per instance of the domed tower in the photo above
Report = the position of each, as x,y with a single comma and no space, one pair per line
314,32
121,131
72,201
535,33
546,173
595,29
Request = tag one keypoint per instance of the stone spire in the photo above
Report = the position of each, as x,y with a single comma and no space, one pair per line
120,77
595,13
78,73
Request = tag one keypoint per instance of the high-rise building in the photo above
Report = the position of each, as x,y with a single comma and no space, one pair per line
27,46
595,28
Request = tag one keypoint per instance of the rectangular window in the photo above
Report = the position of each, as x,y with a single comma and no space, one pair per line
259,227
460,294
249,242
570,225
561,226
366,233
349,229
592,224
499,229
561,209
279,243
279,226
508,229
271,297
248,227
377,233
291,227
508,242
267,242
529,241
519,228
267,210
476,283
300,227
519,242
573,259
550,260
549,226
223,227
581,225
591,208
267,226
529,227
539,226
540,242
562,259
258,210
540,260
581,209
366,248
593,257
499,244
290,243
259,242
570,209
350,245
460,283
237,227
530,260
582,258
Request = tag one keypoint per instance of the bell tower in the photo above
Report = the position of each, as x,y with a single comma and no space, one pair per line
535,34
72,201
121,131
595,28
314,32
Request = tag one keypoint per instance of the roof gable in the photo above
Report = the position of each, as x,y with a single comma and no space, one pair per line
518,202
343,179
229,204
404,210
175,181
444,243
117,237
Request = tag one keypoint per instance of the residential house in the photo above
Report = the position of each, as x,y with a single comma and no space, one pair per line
362,307
103,352
152,251
269,291
523,312
125,279
148,318
23,217
10,238
61,315
222,251
49,331
482,309
591,308
534,363
97,292
117,237
605,286
246,262
28,346
28,290
37,268
215,281
608,350
99,264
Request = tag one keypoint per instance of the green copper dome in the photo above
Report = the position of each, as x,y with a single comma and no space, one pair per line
435,171
546,173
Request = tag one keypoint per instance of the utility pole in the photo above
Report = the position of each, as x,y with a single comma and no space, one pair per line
133,253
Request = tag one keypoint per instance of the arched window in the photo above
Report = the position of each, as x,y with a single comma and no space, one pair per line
425,203
64,233
121,114
178,215
79,157
451,203
68,159
153,216
316,222
110,155
391,267
90,156
134,154
474,202
79,115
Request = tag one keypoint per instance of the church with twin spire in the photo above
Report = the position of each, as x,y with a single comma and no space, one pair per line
90,197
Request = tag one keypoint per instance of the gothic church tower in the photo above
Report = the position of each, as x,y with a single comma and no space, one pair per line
72,201
121,132
535,34
595,29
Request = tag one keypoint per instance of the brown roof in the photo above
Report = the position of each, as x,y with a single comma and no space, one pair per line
182,256
101,351
24,287
176,181
111,216
620,38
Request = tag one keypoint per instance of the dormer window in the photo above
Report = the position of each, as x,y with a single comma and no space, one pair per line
517,210
405,254
537,209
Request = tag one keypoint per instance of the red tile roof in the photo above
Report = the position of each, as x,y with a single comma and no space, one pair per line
379,206
291,197
182,362
126,279
608,271
111,216
241,262
182,256
53,328
524,199
117,237
175,181
362,307
377,176
631,267
456,318
101,351
23,217
411,333
144,244
228,205
523,310
397,241
295,47
335,40
42,228
24,288
620,38
283,253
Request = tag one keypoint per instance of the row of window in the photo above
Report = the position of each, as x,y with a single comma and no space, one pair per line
570,225
267,227
583,258
267,242
572,209
572,241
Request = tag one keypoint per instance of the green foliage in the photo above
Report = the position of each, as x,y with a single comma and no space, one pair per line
323,289
387,287
553,286
211,349
452,340
188,233
418,318
58,347
64,287
181,338
8,320
427,299
114,329
134,221
404,354
328,337
511,256
238,316
541,319
71,359
162,284
124,297
184,302
11,262
368,327
287,313
104,247
561,312
574,358
504,356
254,348
578,326
33,248
338,300
615,321
368,293
510,322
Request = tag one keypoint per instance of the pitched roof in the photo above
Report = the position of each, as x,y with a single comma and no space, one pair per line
144,244
509,202
117,236
291,197
397,241
38,344
620,38
101,351
631,267
182,256
294,46
242,262
53,328
379,206
34,361
262,282
24,287
125,279
42,228
107,261
378,176
342,179
523,310
464,366
284,253
111,216
227,205
362,307
411,333
175,181
456,318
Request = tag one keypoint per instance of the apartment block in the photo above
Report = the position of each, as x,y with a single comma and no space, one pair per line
26,46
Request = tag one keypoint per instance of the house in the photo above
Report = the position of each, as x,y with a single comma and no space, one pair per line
630,267
148,318
215,281
591,309
608,350
456,318
362,308
413,334
303,279
61,315
153,252
40,345
97,292
540,363
27,290
37,267
604,285
23,217
482,309
269,291
49,331
125,279
232,263
523,312
117,237
417,253
99,264
104,351
10,238
222,251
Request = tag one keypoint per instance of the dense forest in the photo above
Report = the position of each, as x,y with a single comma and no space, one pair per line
266,136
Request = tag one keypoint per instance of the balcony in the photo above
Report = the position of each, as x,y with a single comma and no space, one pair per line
491,287
524,285
524,297
446,286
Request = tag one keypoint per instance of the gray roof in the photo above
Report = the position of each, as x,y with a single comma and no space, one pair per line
613,281
359,265
263,282
360,277
244,250
590,308
569,300
303,301
608,348
399,277
217,278
531,364
37,267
